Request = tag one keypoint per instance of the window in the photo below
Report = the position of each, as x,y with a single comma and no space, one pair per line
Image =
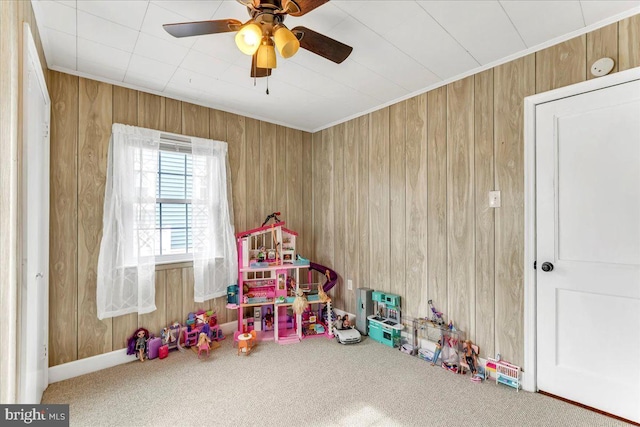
173,206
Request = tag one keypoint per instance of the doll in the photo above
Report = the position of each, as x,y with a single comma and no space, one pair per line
203,343
346,323
138,343
436,354
268,318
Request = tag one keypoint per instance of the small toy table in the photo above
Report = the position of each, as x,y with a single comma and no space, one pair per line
244,337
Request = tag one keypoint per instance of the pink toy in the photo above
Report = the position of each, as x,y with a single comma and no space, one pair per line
203,344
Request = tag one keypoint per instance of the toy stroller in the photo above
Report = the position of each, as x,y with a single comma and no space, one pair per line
436,317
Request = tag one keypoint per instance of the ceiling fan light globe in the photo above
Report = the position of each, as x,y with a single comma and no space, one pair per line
266,57
286,42
248,38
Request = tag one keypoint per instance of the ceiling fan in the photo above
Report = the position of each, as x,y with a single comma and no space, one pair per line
266,28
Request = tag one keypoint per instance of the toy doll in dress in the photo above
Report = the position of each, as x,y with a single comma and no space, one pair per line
137,343
470,357
268,318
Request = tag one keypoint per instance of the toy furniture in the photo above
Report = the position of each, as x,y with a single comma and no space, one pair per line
163,351
384,324
203,344
508,374
243,343
268,280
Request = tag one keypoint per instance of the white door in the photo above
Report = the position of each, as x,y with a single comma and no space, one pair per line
588,230
34,361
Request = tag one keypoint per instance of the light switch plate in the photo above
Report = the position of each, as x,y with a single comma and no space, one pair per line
350,285
494,199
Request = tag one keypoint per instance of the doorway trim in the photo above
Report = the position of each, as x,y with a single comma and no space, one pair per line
529,377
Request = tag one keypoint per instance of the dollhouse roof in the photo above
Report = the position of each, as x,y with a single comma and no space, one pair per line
265,229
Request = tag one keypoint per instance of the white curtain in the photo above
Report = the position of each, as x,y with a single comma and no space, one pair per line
215,259
126,264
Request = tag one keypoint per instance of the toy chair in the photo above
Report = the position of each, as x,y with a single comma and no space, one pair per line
191,338
203,344
254,339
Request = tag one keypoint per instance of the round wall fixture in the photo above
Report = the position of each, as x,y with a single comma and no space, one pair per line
602,67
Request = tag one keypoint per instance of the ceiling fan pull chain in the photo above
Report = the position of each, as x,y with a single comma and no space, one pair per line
267,85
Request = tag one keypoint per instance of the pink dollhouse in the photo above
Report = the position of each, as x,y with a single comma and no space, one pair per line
268,279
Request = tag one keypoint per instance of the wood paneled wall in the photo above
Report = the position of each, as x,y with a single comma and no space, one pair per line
401,194
270,170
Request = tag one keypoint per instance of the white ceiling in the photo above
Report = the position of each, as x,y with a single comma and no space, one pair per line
400,48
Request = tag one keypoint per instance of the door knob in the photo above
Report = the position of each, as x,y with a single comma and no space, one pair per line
39,276
547,266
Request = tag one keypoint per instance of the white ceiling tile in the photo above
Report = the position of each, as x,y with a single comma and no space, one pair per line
61,48
156,17
143,81
481,27
204,64
127,13
192,81
101,54
70,3
155,70
231,9
596,11
100,69
184,93
55,15
239,76
192,9
105,32
160,49
538,22
221,46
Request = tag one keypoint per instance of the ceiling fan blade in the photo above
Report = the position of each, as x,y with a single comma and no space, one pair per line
188,29
322,45
301,7
258,72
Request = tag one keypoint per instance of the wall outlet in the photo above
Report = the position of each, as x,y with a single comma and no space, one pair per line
350,285
494,199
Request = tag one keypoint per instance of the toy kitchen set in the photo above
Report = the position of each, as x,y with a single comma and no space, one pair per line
384,325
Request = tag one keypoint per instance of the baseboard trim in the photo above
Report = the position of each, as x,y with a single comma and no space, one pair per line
106,360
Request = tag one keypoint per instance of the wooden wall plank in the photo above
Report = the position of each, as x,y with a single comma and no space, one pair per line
125,106
484,227
125,111
437,198
351,269
281,175
397,207
602,43
561,65
460,205
361,135
629,40
268,168
156,320
217,125
63,243
379,205
339,291
293,154
416,297
307,245
173,304
188,304
323,198
255,216
151,111
237,163
512,83
173,116
195,120
94,130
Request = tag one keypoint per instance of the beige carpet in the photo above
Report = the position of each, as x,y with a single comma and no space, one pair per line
314,383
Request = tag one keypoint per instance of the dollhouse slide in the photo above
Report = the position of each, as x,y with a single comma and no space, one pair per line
333,276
